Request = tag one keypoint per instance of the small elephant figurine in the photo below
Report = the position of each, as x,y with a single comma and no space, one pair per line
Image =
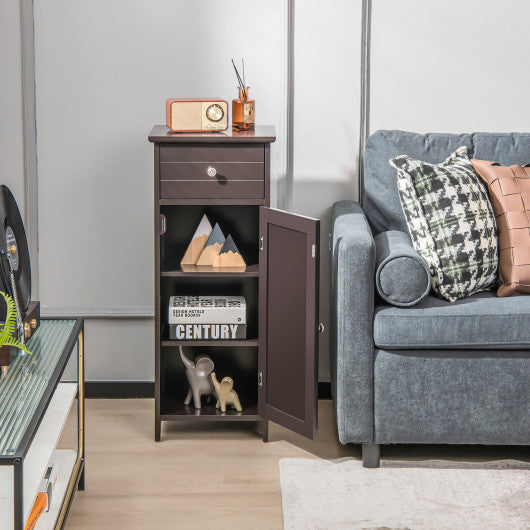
198,374
225,394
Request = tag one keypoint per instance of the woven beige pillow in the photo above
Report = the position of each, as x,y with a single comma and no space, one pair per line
509,190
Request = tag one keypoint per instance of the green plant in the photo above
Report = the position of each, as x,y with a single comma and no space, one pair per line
6,335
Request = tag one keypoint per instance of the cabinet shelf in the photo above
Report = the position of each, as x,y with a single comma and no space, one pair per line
212,343
213,272
172,410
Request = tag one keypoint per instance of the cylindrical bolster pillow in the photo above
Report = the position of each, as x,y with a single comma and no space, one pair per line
402,278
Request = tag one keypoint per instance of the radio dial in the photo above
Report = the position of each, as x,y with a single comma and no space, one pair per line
215,112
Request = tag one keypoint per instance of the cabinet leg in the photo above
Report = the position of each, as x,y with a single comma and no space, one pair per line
265,430
157,430
371,455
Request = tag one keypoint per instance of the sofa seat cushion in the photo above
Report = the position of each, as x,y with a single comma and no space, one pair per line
480,321
452,397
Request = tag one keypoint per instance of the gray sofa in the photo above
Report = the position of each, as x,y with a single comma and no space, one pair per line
436,372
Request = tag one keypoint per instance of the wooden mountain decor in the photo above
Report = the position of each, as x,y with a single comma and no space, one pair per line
213,246
198,241
229,256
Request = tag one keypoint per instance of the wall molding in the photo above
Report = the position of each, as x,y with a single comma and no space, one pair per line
99,312
289,73
282,179
29,132
364,132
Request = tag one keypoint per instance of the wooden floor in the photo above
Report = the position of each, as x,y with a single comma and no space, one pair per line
204,476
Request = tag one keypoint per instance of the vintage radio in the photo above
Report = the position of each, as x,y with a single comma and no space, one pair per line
196,115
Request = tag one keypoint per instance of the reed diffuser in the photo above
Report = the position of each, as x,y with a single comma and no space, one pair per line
243,108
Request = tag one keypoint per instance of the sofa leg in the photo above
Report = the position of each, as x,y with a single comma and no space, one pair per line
371,455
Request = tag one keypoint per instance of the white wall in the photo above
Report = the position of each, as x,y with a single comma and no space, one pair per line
103,73
450,66
11,140
326,123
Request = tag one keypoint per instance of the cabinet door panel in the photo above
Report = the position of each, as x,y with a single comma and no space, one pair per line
288,320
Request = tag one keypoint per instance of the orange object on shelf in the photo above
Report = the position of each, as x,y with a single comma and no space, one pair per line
39,506
44,497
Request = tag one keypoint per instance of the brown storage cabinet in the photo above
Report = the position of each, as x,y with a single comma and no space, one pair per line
275,367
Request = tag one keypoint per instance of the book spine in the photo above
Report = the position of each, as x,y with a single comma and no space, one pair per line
207,331
230,315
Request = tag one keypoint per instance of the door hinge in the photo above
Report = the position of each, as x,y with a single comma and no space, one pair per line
260,378
163,224
313,251
329,241
261,242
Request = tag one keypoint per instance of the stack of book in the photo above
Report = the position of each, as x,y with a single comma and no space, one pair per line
207,318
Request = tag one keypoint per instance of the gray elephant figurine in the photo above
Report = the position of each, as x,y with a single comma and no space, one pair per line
225,393
198,374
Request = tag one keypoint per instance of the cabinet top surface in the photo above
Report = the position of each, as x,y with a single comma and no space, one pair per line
261,134
29,378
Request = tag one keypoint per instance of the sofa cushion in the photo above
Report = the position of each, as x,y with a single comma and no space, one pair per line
402,277
505,148
380,198
480,321
450,222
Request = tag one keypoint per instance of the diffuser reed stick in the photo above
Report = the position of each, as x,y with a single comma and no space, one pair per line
241,83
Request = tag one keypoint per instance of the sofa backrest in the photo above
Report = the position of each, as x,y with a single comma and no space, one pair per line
380,197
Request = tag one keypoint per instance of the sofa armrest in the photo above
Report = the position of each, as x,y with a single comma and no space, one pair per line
352,310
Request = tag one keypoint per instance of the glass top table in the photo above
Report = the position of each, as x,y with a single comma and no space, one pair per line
27,387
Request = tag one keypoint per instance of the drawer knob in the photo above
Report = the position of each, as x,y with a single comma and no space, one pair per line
211,171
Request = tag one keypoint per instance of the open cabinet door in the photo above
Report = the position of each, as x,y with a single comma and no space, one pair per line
288,313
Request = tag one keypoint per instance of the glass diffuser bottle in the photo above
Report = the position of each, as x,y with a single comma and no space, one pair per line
243,111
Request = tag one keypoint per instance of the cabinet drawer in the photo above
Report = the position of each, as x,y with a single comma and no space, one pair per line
238,180
239,171
212,153
225,171
212,189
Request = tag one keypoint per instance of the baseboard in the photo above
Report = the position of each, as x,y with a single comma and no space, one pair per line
146,389
324,390
119,389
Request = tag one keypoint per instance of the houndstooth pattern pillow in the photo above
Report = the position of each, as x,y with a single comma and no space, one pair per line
451,223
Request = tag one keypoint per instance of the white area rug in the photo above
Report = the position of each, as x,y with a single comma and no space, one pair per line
323,494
